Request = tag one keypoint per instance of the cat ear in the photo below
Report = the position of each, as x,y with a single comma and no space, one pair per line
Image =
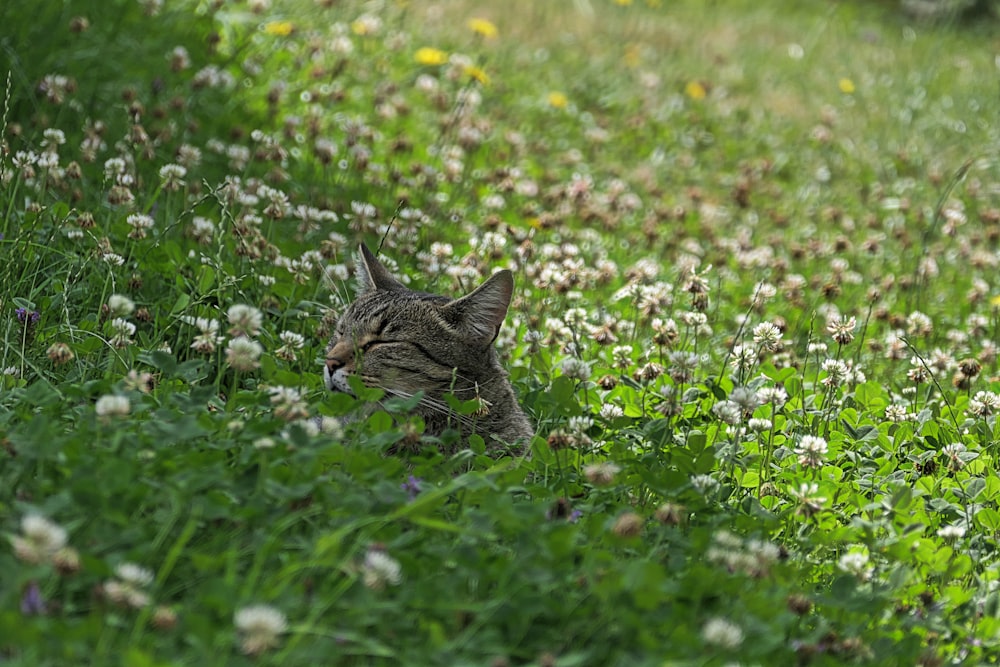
481,312
372,275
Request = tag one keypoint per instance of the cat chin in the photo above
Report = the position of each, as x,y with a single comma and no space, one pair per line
336,381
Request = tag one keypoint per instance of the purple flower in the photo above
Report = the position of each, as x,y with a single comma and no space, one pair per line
32,603
411,486
24,316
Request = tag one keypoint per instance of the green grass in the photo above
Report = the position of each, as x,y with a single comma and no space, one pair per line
665,181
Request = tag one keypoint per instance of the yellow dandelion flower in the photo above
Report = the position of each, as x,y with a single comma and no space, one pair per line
632,56
483,28
477,73
995,301
846,86
430,56
558,100
623,3
695,90
279,28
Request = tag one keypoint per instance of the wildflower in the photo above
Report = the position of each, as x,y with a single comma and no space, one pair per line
142,382
919,324
951,533
27,317
744,358
172,177
483,27
809,502
895,412
956,454
259,627
984,404
670,514
292,341
430,56
164,618
836,372
558,100
627,525
245,320
112,406
575,369
379,569
412,486
366,24
745,398
704,484
842,330
39,540
856,563
682,366
767,336
728,412
811,450
140,223
60,353
601,474
846,86
32,603
279,28
123,332
722,633
243,354
477,74
648,372
919,373
208,337
120,305
759,425
611,411
288,403
128,588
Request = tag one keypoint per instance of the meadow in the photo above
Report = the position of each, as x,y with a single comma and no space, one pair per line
756,321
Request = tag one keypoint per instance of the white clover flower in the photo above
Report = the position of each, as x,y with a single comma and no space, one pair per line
767,335
243,354
744,357
896,412
40,539
601,474
120,305
259,627
951,533
379,569
727,412
811,451
611,411
244,320
856,563
135,575
722,633
111,405
704,484
575,369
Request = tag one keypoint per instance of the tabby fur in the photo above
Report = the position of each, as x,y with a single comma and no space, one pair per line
405,342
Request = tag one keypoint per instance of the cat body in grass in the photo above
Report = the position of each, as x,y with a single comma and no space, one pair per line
404,342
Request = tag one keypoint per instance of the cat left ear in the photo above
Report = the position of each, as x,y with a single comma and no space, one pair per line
482,311
372,275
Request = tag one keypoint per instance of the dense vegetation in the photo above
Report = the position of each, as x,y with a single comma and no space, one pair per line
756,323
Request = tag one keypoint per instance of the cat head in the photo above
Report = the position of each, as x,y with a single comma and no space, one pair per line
403,341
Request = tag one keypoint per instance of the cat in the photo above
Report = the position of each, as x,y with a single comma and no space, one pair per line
404,342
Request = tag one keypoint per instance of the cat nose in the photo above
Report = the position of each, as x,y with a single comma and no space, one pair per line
333,365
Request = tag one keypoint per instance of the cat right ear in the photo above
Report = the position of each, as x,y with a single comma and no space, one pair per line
371,275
